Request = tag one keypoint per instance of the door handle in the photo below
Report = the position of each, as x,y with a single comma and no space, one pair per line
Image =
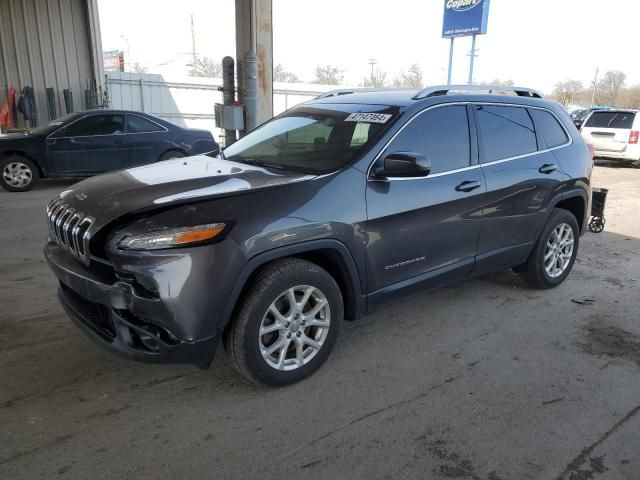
548,168
118,142
467,186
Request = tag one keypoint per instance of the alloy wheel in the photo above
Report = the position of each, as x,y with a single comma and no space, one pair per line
559,250
294,328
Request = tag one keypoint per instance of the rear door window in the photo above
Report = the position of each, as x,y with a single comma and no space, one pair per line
549,128
442,134
611,120
96,125
504,132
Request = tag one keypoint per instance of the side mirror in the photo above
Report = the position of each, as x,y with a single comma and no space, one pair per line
402,164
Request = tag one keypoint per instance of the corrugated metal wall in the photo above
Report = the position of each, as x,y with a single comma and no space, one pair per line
48,43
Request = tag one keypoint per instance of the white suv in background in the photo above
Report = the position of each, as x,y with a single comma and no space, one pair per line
614,133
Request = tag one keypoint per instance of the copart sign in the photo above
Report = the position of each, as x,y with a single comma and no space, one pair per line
465,17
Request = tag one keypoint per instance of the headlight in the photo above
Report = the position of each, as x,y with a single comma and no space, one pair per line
175,237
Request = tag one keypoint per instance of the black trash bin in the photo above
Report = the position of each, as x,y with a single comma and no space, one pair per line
598,199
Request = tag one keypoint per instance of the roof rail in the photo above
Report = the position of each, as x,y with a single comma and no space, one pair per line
445,89
346,91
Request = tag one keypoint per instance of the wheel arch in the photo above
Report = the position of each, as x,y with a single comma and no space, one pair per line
331,255
576,202
7,153
172,149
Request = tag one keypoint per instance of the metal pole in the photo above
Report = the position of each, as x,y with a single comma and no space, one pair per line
473,56
142,94
228,94
250,85
450,61
595,84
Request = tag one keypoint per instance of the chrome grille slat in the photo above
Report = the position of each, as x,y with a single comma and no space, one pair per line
54,217
66,238
69,228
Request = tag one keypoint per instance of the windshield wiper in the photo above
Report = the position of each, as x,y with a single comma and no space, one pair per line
259,163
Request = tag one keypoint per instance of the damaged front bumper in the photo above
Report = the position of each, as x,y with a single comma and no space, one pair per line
122,318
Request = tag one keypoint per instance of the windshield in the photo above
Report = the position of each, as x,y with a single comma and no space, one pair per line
314,139
53,124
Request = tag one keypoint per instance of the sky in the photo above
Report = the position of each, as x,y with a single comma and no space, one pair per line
535,43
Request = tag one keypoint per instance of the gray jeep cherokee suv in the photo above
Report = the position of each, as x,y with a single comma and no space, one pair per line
322,214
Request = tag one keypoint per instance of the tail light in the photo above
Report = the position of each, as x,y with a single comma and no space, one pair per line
633,137
592,150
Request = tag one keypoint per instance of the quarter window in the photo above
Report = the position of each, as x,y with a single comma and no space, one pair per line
552,133
137,124
97,125
504,132
442,134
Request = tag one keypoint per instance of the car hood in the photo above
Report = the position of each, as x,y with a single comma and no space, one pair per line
16,137
172,182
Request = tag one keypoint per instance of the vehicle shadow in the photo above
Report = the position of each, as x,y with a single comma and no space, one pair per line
605,162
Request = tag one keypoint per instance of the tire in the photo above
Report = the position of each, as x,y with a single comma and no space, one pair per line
249,351
171,154
18,174
549,275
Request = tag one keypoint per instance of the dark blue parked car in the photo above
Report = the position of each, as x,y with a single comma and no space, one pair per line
94,141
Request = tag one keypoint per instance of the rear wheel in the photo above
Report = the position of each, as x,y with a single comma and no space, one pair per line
554,253
287,324
18,174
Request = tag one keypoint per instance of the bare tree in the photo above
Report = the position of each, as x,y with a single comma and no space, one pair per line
610,85
412,78
205,67
328,75
376,79
280,74
138,68
567,91
497,81
630,97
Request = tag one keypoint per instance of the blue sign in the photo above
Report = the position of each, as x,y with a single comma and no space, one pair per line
465,17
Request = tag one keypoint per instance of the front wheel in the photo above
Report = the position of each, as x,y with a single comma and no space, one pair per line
18,174
171,154
554,253
287,324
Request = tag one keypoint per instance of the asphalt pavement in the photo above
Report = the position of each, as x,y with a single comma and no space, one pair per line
486,379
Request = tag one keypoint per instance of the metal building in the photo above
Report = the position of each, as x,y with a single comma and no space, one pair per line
50,44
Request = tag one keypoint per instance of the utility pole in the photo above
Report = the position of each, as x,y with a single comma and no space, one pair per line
450,61
595,85
194,59
472,54
372,62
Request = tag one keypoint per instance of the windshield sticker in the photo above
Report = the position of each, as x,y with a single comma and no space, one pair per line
368,117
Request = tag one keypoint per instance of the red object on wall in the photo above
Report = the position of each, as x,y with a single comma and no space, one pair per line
7,111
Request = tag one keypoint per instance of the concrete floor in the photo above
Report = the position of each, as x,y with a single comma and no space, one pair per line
484,380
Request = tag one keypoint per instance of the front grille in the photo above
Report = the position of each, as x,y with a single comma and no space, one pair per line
69,228
93,314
